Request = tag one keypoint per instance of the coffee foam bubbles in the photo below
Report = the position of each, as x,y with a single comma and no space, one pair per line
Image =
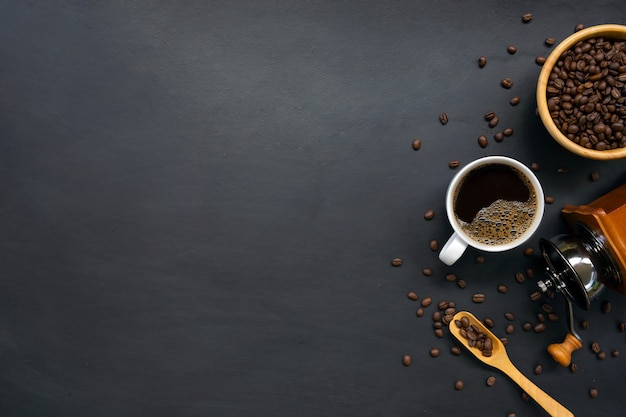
502,222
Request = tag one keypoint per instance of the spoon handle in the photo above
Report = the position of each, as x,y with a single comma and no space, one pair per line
553,407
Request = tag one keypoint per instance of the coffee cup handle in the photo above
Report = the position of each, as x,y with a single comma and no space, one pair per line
452,250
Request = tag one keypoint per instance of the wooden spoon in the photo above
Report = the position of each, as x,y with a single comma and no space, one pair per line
500,360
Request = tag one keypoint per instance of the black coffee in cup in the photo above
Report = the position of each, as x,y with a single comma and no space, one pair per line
495,204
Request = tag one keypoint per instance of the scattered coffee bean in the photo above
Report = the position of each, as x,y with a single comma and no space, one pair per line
511,49
504,341
530,273
461,283
550,41
439,333
480,259
510,328
579,27
541,318
594,176
478,298
526,18
436,316
491,381
553,317
396,262
527,326
615,353
490,115
454,164
605,307
562,170
433,245
511,414
535,166
540,60
498,136
406,360
443,304
412,296
426,301
450,277
430,214
509,316
525,397
595,347
593,392
584,324
417,144
573,367
507,82
443,118
482,61
601,355
488,322
515,101
538,369
494,122
528,251
427,272
455,350
520,278
622,326
435,352
547,308
419,312
535,296
539,327
503,289
483,141
549,199
458,385
508,131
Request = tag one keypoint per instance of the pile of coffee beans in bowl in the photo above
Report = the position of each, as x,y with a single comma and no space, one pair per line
586,93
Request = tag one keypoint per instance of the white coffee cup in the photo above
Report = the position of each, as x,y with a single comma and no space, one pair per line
466,234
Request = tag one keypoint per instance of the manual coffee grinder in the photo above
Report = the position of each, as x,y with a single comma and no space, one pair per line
591,257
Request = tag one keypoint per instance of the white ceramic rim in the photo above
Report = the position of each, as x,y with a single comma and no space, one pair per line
494,159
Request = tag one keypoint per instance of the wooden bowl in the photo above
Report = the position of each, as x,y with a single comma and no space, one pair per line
604,31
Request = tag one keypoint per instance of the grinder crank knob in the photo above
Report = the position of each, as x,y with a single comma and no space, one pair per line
562,352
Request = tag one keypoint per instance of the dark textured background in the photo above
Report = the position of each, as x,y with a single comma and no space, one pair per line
199,201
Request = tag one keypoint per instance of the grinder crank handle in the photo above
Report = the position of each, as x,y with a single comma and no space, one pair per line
562,352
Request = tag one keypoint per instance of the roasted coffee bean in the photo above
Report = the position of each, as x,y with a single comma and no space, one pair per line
488,322
508,131
483,141
605,307
511,414
539,327
490,115
579,27
584,324
553,317
443,118
478,298
595,347
435,352
515,101
601,355
541,318
593,392
504,340
450,311
491,381
549,199
482,61
540,60
550,41
507,82
573,367
498,137
450,277
547,308
407,360
461,283
455,350
538,369
615,353
530,273
443,304
439,333
458,385
426,301
535,166
417,144
562,170
396,262
510,328
436,316
429,214
527,326
528,251
454,163
519,277
494,122
412,295
622,326
427,272
526,18
511,49
525,397
594,176
480,259
503,289
509,316
434,245
535,296
419,312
